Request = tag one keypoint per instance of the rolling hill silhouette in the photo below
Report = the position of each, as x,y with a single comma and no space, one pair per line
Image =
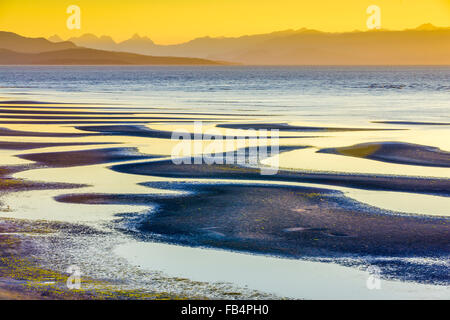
14,42
18,50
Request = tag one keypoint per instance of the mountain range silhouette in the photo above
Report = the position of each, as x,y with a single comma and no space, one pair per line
424,45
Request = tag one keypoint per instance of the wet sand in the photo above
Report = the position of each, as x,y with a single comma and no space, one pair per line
296,222
66,117
166,168
9,145
5,132
291,128
142,131
10,184
85,157
23,275
419,123
396,152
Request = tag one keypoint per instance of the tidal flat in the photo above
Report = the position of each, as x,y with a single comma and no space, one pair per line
93,184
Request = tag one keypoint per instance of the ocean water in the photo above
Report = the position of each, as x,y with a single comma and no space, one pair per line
325,94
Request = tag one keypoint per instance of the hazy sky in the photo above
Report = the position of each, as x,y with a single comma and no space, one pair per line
173,21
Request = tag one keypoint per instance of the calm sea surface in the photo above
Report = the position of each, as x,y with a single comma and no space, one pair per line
330,94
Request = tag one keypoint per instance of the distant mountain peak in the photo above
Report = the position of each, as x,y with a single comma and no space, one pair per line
136,38
55,38
88,36
306,30
427,27
106,38
92,41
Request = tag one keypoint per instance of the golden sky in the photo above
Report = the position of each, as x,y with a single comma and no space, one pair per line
174,21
